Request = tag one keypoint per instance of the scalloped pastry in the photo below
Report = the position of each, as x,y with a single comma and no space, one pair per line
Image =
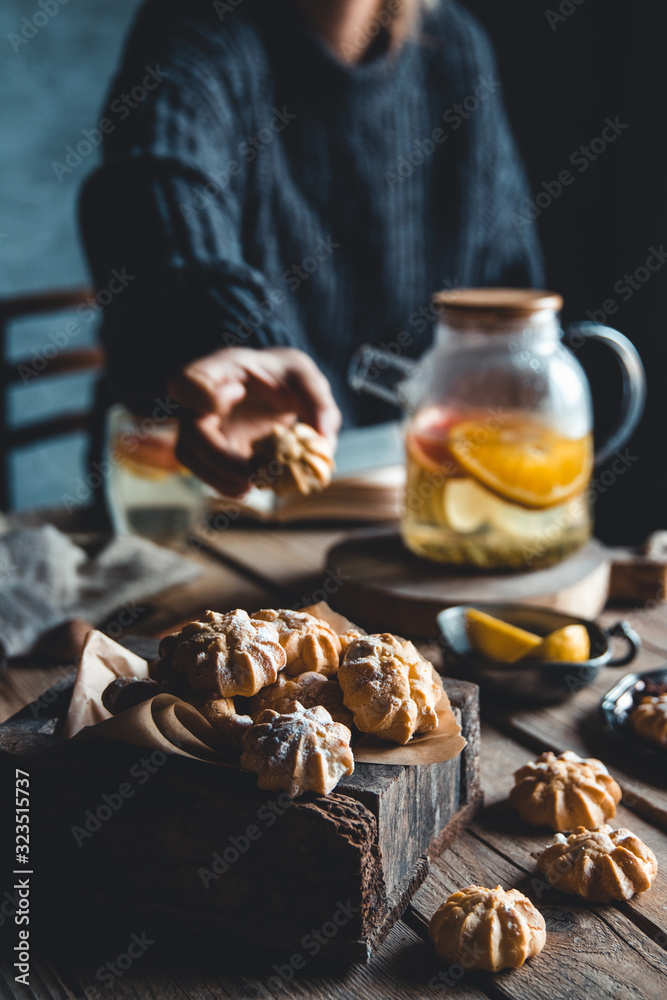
600,865
222,714
649,719
300,750
293,460
310,689
309,642
565,792
223,655
489,929
390,689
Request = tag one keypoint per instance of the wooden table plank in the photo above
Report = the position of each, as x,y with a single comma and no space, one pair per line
217,588
586,948
500,828
172,968
284,557
23,683
45,982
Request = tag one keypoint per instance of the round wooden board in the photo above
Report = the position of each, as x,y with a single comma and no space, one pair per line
383,587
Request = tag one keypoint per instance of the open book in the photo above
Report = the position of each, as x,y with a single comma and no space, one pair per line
368,483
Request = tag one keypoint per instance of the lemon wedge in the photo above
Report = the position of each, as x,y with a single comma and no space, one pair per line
499,640
566,645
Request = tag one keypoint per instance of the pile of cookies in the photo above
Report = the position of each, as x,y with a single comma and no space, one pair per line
286,691
494,929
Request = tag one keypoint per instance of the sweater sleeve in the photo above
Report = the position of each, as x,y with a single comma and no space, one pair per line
165,211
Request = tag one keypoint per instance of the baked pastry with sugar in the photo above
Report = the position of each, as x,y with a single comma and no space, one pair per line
565,792
293,460
310,689
390,689
299,750
649,720
222,715
489,929
223,655
345,638
309,642
600,865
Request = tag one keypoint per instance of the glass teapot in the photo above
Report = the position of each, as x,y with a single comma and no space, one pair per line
499,438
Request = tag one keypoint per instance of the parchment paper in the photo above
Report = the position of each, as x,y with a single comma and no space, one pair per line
167,723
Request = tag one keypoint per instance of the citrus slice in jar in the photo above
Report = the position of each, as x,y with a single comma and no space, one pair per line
522,461
428,442
467,506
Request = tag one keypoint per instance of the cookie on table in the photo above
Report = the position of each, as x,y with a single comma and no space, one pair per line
299,750
565,792
490,929
223,655
309,642
600,865
389,687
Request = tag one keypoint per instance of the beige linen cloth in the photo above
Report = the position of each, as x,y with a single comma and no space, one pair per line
169,724
46,580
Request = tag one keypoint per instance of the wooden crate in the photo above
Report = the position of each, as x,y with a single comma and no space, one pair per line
171,839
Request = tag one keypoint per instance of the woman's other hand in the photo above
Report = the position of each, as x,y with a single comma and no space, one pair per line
232,398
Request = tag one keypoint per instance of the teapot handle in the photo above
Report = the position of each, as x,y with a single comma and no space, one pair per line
381,373
634,381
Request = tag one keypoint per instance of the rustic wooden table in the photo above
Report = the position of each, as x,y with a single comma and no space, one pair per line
592,951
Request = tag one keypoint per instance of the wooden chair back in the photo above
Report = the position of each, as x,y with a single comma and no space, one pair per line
60,362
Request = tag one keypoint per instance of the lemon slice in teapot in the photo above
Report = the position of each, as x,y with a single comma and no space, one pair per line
466,506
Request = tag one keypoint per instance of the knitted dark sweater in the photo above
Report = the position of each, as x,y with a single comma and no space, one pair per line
265,193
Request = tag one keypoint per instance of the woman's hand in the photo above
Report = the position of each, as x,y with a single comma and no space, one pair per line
232,398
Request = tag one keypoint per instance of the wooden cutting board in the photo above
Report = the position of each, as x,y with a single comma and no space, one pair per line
384,585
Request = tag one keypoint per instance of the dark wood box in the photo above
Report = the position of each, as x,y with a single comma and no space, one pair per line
122,828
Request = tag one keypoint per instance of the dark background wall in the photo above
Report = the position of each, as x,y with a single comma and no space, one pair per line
52,87
566,68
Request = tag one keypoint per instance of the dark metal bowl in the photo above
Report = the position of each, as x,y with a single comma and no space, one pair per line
535,681
615,710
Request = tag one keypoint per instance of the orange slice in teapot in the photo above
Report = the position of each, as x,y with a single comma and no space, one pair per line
522,461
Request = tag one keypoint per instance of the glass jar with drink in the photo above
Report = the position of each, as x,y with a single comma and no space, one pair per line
148,490
499,438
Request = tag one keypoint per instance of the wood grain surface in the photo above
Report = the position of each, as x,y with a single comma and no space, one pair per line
593,952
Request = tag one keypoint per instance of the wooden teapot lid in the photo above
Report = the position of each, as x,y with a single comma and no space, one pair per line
488,307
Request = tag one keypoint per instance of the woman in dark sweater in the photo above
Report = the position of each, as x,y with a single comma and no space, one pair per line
282,181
